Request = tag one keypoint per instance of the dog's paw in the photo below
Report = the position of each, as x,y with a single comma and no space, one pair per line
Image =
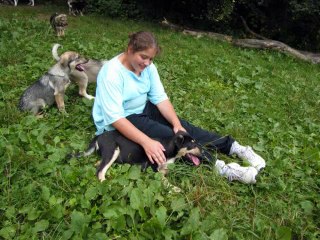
90,97
101,177
40,116
63,112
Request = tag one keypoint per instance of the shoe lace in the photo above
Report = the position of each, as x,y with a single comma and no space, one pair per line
234,174
250,155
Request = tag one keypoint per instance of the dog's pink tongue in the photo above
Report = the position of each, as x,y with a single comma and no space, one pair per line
80,68
194,159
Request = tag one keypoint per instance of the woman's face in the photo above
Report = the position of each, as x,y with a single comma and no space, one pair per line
141,59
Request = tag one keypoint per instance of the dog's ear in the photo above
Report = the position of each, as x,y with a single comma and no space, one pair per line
179,140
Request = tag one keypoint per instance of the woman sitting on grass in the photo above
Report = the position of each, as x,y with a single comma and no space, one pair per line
131,98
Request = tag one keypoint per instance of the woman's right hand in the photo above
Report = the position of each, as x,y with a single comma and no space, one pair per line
154,151
152,148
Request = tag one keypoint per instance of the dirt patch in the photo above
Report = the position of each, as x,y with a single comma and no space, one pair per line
44,17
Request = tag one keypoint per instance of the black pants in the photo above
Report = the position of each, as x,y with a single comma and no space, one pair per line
154,125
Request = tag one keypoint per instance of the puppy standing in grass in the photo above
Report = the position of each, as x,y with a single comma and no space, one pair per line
50,88
59,22
76,7
31,2
131,99
82,74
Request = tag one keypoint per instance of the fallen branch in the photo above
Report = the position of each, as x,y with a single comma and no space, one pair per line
250,43
279,46
170,25
216,36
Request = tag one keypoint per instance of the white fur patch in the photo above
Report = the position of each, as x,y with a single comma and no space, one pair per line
102,173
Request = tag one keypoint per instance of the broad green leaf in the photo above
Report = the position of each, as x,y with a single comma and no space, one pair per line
67,234
178,204
57,211
169,234
10,212
78,221
45,194
56,139
52,200
161,215
134,173
8,232
85,203
192,223
110,213
100,236
284,233
209,223
307,207
219,234
25,209
40,139
23,137
119,223
33,214
55,156
148,197
41,226
91,193
97,225
136,198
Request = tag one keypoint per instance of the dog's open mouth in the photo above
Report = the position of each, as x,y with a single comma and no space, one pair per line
80,67
193,158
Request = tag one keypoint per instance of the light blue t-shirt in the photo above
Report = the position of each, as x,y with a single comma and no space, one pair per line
121,93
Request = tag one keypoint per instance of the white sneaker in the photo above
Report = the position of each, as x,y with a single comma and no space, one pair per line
247,154
252,158
233,171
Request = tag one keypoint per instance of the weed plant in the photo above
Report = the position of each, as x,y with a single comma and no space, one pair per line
264,99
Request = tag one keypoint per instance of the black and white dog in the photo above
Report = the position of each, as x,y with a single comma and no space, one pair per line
76,7
114,147
31,2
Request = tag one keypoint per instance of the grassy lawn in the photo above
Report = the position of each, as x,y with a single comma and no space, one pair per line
264,99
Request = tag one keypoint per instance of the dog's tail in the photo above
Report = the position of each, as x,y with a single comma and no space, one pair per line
93,146
55,51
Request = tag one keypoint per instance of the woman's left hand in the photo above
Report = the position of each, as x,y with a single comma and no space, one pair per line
179,128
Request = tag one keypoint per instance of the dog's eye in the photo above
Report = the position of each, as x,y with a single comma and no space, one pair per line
193,141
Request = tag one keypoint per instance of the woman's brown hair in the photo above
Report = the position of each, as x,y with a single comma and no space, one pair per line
140,41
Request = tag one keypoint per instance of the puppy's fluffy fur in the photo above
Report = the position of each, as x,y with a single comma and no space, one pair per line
50,88
83,74
31,2
114,147
59,22
76,7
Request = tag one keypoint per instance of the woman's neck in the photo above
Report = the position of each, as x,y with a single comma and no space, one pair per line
124,59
